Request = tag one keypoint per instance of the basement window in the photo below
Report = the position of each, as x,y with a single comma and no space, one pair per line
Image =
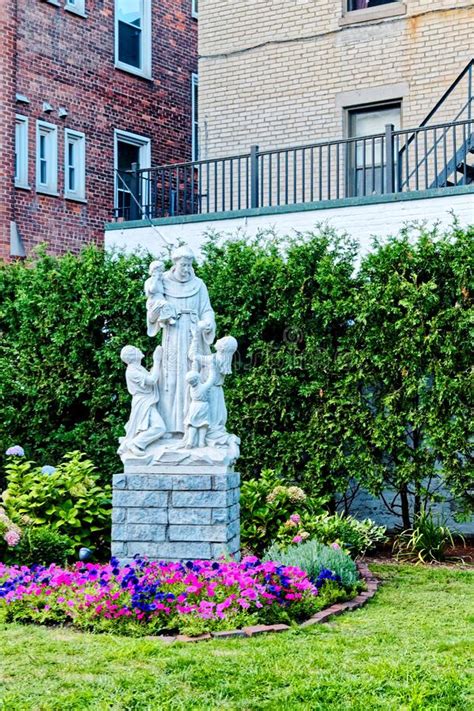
365,4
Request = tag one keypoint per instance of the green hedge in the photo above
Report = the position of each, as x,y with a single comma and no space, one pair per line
340,373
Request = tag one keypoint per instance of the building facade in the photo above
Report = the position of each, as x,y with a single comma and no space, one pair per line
291,72
89,88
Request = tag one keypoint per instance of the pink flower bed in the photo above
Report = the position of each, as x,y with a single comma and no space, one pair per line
158,596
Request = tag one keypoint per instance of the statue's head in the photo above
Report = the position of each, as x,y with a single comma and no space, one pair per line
156,266
192,378
130,354
183,258
225,348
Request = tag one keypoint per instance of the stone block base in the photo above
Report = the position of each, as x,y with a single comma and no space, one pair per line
176,512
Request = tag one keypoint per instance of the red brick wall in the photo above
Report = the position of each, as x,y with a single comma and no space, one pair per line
7,121
67,60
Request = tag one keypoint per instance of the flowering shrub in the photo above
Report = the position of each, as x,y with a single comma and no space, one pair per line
272,511
144,597
10,533
68,498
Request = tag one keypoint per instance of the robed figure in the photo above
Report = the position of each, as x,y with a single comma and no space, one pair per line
191,314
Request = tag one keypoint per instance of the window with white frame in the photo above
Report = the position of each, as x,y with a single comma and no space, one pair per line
76,6
46,157
21,152
364,4
74,165
195,117
195,8
132,189
133,36
367,165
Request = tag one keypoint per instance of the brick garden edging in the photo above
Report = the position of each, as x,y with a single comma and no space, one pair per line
317,619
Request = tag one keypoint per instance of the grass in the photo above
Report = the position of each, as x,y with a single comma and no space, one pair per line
410,648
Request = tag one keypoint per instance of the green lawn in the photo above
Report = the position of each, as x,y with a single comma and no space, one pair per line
410,648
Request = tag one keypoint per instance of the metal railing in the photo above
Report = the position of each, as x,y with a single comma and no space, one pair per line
429,156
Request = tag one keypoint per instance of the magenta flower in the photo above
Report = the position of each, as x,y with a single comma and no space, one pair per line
296,518
297,539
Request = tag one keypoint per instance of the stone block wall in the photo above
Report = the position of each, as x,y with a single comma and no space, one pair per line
176,513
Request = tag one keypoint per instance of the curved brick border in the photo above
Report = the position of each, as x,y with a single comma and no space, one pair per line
317,619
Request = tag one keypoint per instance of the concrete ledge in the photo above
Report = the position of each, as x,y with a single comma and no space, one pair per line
285,209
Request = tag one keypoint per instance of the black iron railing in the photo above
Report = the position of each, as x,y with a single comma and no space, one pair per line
429,156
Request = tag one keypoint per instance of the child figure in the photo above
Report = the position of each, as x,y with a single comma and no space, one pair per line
196,421
145,424
220,365
158,310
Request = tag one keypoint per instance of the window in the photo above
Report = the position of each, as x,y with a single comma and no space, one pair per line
133,36
77,6
195,117
363,4
131,191
74,165
195,8
367,160
46,157
21,152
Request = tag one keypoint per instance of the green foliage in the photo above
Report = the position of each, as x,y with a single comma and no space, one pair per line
71,500
409,360
63,322
340,375
42,545
313,556
425,542
356,536
265,505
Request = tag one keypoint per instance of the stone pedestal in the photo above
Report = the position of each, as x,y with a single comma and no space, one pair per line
176,512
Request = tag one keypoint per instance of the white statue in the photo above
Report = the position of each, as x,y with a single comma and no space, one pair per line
198,416
178,408
187,296
158,311
145,425
219,363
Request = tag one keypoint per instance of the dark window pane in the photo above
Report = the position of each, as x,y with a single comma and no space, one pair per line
127,154
129,41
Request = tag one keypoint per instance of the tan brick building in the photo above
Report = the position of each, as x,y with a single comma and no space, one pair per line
287,72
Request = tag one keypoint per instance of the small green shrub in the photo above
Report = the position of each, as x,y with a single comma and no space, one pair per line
356,536
43,545
266,504
426,542
68,498
313,557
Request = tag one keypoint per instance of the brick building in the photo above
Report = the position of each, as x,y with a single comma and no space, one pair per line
88,86
289,72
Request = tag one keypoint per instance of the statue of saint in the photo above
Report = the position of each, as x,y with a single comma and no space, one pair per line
187,298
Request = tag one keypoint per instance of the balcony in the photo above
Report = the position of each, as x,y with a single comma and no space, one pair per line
389,163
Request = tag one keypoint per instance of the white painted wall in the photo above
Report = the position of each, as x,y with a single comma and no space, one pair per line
361,222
